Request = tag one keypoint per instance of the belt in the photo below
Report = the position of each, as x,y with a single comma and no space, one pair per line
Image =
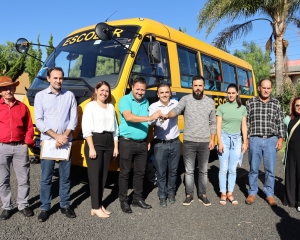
165,141
266,136
14,143
133,140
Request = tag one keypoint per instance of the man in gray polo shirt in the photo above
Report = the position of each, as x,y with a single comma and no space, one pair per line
199,137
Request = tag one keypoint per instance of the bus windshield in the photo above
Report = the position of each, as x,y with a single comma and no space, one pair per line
86,59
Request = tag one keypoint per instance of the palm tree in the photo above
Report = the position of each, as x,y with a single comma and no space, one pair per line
279,13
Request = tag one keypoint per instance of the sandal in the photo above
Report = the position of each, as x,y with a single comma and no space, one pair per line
223,199
232,200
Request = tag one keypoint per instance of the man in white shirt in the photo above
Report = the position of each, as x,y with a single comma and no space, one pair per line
166,145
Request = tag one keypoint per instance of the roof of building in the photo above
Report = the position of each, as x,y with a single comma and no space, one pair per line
293,67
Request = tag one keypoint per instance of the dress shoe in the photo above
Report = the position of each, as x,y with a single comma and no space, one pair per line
99,213
271,201
125,207
27,212
250,199
68,212
6,214
43,216
141,204
172,199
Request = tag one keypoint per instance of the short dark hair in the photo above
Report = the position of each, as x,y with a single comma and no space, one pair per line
198,77
139,80
263,79
55,68
163,85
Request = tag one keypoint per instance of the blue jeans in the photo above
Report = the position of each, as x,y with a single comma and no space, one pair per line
167,156
229,159
266,148
64,168
190,151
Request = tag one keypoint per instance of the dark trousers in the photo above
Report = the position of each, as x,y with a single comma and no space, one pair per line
167,157
98,167
190,151
135,152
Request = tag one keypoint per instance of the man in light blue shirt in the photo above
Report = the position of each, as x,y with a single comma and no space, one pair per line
55,111
166,145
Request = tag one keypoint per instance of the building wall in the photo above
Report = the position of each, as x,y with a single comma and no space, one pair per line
24,83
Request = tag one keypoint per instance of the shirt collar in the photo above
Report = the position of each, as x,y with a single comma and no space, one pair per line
48,90
3,102
160,104
258,99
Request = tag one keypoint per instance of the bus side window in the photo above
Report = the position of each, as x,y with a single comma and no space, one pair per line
243,81
229,74
188,65
212,73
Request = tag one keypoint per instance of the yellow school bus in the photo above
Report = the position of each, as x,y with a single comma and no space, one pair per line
138,47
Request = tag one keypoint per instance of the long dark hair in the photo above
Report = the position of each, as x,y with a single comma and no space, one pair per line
238,99
293,108
99,85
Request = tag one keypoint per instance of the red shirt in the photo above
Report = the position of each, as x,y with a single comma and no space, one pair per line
15,123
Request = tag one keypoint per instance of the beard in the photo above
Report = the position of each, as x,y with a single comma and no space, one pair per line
198,96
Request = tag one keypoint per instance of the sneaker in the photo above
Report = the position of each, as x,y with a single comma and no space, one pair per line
172,199
298,209
204,200
163,202
188,200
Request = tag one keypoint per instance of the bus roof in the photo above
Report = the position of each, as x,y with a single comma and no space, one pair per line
163,31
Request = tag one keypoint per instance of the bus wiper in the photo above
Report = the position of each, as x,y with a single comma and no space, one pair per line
86,83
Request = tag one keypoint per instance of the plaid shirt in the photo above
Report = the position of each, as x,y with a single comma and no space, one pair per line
265,119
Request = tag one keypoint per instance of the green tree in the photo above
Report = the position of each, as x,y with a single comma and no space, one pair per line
287,94
259,60
33,63
279,13
50,43
12,63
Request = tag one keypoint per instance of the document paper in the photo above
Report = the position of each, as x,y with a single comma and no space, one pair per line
50,152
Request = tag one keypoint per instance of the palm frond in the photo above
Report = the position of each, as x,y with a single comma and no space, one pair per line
269,44
229,34
295,21
294,8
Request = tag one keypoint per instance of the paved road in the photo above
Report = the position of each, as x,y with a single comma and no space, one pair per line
196,221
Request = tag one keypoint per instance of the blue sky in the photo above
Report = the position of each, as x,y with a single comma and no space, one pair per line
29,18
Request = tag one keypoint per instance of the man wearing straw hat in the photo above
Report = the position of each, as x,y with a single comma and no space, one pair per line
15,136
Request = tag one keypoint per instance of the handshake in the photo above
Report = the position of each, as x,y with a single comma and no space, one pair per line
158,115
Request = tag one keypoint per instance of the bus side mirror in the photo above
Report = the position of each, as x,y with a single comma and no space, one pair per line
103,31
154,52
22,45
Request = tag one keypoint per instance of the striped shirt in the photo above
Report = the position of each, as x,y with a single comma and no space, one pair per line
265,119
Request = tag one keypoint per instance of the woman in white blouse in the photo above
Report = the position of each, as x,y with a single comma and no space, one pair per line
100,129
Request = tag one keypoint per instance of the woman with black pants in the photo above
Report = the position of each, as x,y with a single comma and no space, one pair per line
100,130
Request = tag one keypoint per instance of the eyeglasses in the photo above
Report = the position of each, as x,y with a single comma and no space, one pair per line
297,105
